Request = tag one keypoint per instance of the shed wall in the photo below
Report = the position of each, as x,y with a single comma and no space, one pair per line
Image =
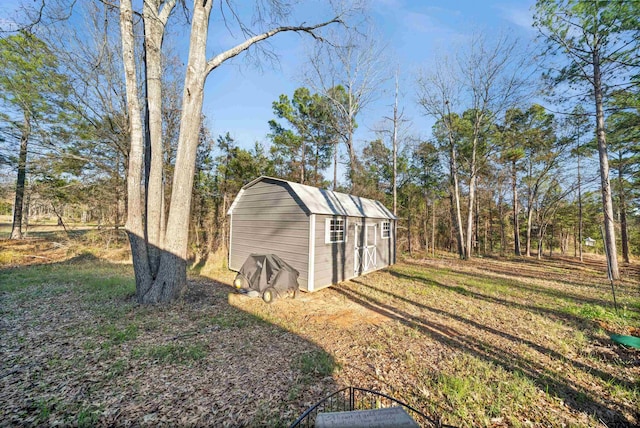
386,246
267,219
335,262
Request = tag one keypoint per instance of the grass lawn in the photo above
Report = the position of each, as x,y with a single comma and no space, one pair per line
488,342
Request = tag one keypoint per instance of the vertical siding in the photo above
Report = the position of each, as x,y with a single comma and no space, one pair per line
384,247
335,262
268,220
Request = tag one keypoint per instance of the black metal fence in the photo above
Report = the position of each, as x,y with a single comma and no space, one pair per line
352,398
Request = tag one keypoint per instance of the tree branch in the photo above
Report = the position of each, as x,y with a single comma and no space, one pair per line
235,51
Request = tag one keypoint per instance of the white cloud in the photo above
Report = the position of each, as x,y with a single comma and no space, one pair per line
520,16
420,22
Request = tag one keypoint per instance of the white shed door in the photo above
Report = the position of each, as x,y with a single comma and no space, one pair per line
365,248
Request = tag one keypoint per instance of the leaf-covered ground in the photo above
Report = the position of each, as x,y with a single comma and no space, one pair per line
489,342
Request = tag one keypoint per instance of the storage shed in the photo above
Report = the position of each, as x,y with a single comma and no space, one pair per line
326,236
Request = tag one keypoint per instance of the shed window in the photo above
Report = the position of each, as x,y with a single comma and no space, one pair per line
334,230
386,229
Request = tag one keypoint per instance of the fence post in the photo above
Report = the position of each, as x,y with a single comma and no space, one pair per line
351,398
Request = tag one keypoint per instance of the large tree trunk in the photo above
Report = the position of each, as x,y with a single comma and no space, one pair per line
164,279
607,204
16,229
153,36
135,222
172,275
353,161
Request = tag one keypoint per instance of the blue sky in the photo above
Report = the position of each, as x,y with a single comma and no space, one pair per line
239,95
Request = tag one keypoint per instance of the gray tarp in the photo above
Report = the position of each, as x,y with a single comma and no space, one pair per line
261,271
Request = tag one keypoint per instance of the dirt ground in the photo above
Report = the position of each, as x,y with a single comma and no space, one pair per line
488,342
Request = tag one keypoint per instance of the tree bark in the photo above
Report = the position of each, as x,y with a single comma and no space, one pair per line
16,229
622,206
580,220
395,150
409,227
134,225
159,249
471,205
335,166
529,226
456,218
172,276
433,228
516,223
425,225
607,204
154,25
503,233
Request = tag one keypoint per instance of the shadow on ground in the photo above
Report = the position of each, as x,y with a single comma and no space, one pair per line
548,378
75,353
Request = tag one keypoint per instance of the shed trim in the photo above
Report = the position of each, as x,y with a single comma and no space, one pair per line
230,240
312,253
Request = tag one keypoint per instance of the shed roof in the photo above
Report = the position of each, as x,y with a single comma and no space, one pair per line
321,201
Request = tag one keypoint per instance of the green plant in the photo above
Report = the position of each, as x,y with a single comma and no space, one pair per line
118,368
473,387
88,417
44,410
318,363
120,335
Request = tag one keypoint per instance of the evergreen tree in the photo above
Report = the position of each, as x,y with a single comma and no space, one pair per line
598,41
32,94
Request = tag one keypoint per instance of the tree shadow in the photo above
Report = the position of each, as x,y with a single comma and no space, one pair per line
200,361
553,314
588,268
545,378
520,285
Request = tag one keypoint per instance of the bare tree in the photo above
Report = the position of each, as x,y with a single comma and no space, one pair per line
486,80
437,91
496,75
347,72
160,252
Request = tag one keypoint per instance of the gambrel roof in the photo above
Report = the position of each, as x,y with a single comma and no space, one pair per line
321,201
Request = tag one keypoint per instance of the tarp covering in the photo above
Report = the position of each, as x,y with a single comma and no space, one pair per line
261,271
631,341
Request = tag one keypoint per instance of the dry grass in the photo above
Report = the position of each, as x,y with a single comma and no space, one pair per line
489,342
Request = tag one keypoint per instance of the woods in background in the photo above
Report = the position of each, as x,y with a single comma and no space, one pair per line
498,173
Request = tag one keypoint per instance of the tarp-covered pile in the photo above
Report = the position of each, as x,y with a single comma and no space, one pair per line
267,273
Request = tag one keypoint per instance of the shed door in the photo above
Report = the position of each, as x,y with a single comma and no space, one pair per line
365,248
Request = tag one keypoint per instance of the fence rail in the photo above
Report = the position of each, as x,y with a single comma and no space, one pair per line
353,398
